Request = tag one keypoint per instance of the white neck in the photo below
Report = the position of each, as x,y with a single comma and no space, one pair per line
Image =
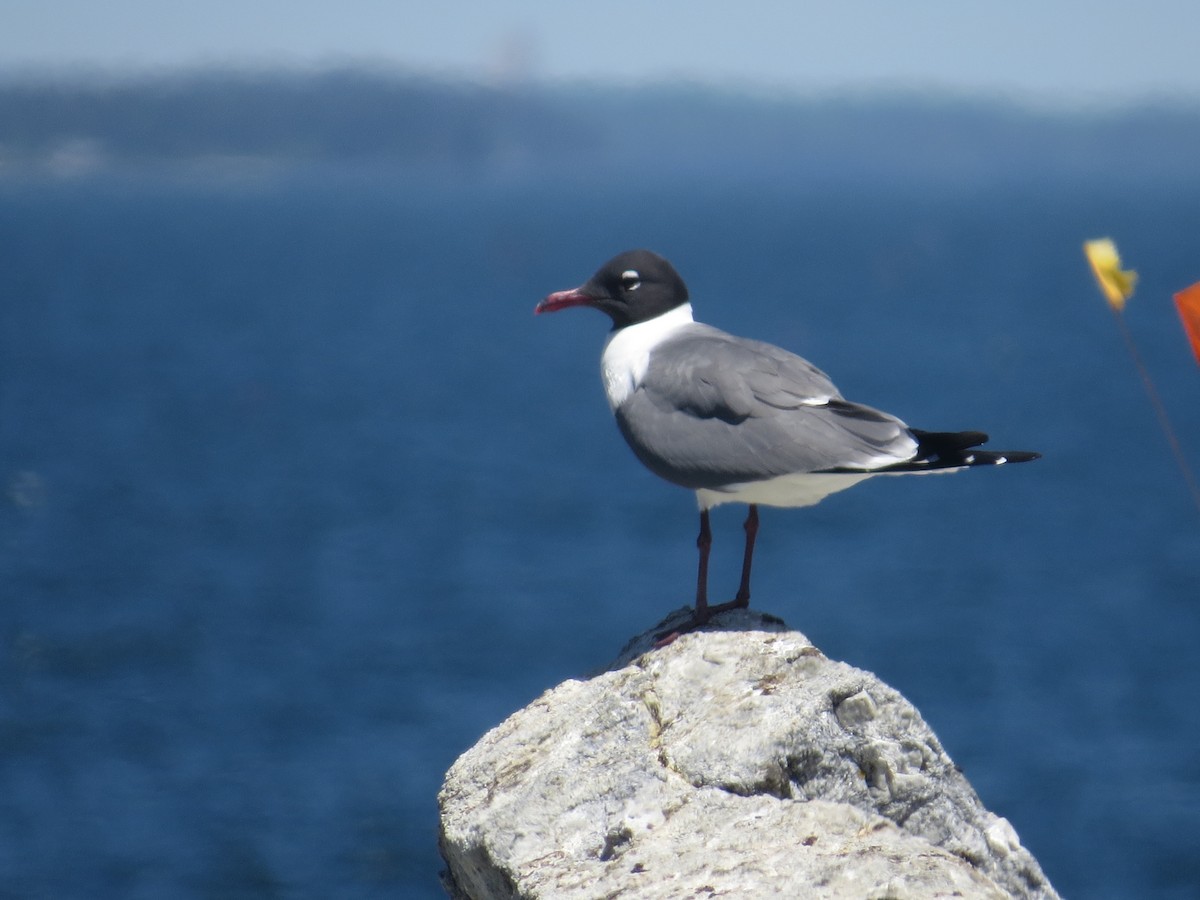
627,352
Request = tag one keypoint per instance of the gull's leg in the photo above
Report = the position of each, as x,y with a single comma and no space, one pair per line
703,612
743,595
703,543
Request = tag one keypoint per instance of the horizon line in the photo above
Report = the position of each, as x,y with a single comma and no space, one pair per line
1055,101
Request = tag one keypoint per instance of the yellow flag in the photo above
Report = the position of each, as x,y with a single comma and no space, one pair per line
1117,285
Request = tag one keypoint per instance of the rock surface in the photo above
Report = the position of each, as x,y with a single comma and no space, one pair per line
737,761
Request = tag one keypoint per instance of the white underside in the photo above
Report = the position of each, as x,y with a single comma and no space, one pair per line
786,490
803,489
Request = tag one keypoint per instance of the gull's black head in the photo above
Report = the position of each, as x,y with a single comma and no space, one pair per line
632,287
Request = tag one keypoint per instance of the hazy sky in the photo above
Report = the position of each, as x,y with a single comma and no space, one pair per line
1040,49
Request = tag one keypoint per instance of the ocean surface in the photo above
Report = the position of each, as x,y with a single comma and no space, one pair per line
298,499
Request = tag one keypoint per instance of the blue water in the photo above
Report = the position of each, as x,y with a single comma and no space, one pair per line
299,499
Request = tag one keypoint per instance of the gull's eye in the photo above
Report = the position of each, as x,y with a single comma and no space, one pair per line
631,280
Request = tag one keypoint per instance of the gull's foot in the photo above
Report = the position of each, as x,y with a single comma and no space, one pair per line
697,621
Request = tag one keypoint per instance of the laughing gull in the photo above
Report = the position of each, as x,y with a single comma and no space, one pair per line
738,420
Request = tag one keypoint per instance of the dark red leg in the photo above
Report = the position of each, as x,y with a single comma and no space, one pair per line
743,595
703,543
703,611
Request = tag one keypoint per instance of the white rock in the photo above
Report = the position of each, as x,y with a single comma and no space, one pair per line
1002,838
737,762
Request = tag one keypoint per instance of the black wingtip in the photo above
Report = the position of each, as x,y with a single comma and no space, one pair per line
1019,455
956,449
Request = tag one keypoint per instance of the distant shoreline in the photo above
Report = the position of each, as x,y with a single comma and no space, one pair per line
243,122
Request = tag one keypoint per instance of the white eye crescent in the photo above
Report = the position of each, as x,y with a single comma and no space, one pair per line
631,280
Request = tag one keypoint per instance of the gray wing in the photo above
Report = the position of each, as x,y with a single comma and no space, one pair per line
714,410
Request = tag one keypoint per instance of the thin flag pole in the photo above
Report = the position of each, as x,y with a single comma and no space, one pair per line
1117,287
1160,411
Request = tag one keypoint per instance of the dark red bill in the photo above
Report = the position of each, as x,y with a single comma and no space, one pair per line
562,300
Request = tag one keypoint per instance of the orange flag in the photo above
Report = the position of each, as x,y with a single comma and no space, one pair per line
1187,302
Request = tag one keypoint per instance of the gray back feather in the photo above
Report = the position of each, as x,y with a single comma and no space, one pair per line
714,410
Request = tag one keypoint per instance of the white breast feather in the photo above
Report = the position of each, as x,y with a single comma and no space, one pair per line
627,352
